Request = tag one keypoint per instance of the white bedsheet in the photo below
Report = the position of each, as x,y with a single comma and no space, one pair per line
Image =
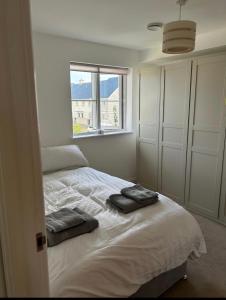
126,250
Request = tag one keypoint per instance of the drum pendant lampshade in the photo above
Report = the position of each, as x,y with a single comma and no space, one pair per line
179,37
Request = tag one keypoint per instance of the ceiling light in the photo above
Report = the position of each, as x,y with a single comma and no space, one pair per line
179,36
154,26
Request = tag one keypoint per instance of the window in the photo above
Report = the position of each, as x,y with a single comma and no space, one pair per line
98,96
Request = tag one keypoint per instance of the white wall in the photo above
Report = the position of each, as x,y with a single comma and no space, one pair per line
52,55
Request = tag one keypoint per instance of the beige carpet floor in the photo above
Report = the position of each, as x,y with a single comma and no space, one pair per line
206,275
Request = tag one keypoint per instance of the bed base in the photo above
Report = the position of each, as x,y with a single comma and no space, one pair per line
160,284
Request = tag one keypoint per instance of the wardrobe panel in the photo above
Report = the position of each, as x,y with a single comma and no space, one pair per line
174,135
172,175
174,113
149,127
147,165
206,135
149,93
148,132
203,182
206,140
175,93
209,96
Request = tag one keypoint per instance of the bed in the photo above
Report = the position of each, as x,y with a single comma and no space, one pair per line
128,255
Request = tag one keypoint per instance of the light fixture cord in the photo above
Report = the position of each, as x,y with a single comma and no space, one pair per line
180,11
181,3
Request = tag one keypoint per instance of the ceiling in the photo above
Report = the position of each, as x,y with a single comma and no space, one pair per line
122,22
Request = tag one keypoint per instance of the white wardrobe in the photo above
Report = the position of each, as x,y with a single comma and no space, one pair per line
182,123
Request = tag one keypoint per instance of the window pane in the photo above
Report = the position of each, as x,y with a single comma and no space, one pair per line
82,85
84,116
110,101
83,91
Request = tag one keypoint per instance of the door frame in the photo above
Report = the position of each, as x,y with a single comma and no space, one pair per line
21,194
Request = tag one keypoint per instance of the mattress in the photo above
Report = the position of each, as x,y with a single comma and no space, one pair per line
126,251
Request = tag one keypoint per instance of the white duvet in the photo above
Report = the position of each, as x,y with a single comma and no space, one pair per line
125,251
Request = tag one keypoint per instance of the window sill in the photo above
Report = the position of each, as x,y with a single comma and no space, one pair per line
100,135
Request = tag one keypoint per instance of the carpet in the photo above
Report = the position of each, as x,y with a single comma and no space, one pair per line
206,275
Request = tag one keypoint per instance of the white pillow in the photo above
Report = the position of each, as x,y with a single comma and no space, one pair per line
62,157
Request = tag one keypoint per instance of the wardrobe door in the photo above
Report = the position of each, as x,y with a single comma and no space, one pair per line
148,127
206,135
174,113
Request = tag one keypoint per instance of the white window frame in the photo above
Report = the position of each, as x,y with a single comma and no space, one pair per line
103,69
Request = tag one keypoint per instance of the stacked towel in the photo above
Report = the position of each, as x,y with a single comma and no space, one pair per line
68,223
63,219
132,198
139,193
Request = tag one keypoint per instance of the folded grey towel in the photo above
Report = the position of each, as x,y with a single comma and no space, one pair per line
62,219
87,225
138,193
127,205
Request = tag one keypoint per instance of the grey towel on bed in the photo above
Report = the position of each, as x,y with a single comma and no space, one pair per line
139,193
62,219
82,223
127,205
